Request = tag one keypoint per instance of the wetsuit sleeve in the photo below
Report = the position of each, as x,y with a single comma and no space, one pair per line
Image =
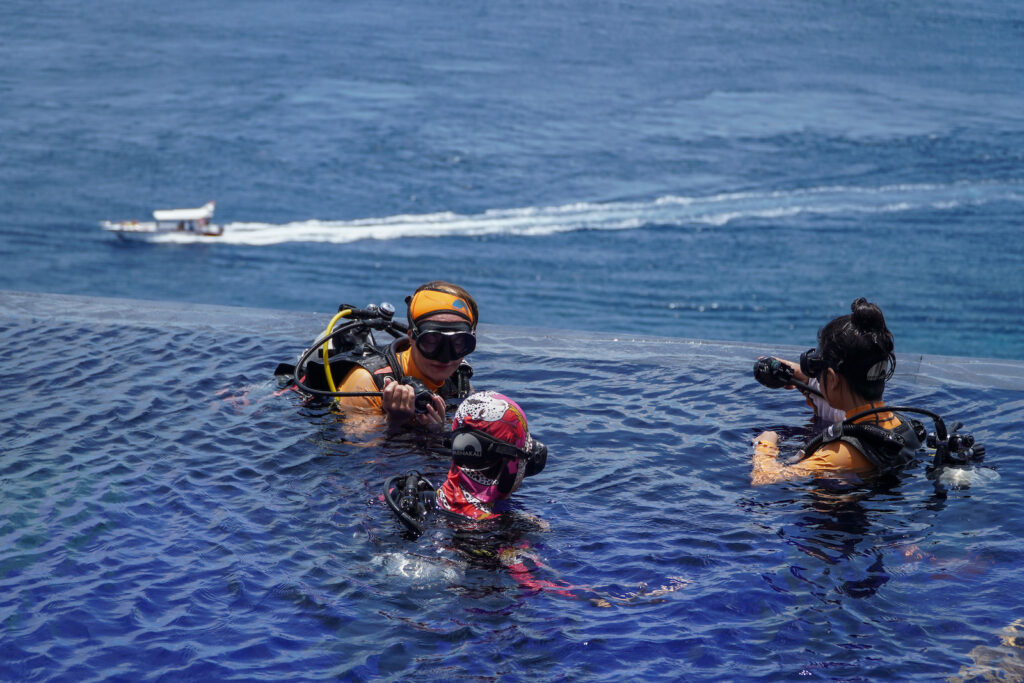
837,457
766,466
832,458
359,379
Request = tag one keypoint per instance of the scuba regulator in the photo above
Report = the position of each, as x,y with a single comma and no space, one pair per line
953,447
411,498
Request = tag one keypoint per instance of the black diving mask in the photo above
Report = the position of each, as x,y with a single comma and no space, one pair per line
443,341
812,363
476,449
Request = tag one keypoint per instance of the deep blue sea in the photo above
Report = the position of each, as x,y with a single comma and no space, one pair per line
642,196
731,172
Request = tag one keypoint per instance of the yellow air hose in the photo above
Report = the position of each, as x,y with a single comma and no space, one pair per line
327,365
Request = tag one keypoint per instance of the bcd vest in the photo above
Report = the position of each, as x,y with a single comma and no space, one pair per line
381,362
887,449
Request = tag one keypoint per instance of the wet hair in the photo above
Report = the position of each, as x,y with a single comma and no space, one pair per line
454,290
859,347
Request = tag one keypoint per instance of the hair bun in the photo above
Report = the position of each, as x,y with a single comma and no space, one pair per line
867,316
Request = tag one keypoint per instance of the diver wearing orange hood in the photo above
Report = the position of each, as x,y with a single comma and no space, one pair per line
442,332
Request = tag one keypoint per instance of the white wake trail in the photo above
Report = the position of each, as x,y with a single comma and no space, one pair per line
671,210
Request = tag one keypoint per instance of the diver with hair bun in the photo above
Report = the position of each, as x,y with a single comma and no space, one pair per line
844,379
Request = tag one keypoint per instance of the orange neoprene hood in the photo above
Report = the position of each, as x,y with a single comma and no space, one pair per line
429,302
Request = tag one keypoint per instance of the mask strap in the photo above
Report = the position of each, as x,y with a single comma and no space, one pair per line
878,370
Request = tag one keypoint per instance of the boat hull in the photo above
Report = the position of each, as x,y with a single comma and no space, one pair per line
148,230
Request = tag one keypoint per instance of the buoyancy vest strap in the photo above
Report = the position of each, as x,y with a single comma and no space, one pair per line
886,449
381,364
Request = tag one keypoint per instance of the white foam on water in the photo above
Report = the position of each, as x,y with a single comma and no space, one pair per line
679,211
416,568
962,477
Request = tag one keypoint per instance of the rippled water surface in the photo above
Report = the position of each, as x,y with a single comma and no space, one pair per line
166,515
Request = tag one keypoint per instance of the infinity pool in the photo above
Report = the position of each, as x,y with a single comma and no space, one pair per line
167,516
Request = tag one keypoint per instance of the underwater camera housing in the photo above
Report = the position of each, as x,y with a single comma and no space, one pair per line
424,396
772,372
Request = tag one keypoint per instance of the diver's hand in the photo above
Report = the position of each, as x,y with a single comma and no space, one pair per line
434,418
767,441
797,374
398,401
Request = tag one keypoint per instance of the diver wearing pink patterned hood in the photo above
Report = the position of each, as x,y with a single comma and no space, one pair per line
492,451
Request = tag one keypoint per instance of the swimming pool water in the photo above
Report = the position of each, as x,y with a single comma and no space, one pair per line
166,516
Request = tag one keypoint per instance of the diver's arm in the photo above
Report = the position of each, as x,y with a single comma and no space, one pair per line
766,466
363,415
830,460
359,380
837,458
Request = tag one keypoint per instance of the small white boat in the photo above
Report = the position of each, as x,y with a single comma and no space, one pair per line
167,221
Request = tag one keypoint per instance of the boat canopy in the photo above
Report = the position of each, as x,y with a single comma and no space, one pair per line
203,212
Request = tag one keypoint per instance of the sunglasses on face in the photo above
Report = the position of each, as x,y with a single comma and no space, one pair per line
438,343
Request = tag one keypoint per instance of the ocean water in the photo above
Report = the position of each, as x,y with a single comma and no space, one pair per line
642,196
737,172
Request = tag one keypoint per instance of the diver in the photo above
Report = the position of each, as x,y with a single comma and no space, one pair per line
843,379
408,380
492,451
